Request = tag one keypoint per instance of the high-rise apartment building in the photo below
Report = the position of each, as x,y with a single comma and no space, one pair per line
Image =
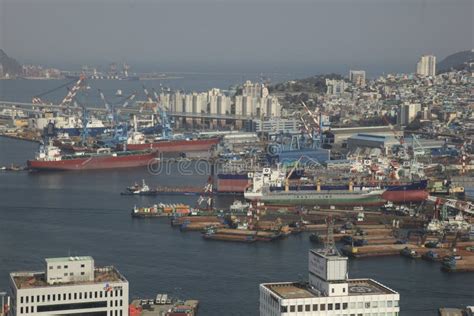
426,66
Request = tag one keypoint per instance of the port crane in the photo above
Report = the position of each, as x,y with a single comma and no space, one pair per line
159,108
68,99
114,110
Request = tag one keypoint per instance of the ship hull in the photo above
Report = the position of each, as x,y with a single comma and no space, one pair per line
232,183
319,198
94,162
405,196
176,145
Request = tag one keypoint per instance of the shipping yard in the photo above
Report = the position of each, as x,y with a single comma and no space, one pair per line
313,168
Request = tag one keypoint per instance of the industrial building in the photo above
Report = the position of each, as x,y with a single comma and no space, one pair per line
69,286
328,292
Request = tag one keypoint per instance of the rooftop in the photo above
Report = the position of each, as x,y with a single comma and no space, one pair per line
294,290
62,259
28,280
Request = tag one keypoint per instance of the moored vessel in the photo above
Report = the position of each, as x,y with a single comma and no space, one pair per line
50,157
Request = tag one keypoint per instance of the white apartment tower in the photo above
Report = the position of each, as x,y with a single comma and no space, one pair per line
328,292
426,67
69,286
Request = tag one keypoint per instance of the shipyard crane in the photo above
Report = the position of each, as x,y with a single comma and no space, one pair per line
149,104
463,206
114,110
67,100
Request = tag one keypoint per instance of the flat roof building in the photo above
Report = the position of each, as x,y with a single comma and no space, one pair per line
69,286
328,292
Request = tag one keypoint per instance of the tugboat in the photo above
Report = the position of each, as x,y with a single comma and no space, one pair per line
138,189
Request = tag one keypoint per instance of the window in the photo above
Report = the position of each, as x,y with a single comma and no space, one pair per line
70,295
344,305
329,307
26,299
315,307
382,304
75,296
37,298
343,290
338,306
65,267
352,305
80,295
59,267
300,308
27,309
21,310
49,297
322,307
64,296
50,267
32,299
360,305
43,298
292,308
375,304
54,297
82,266
71,274
367,304
389,303
395,303
65,274
307,308
332,290
284,309
21,299
82,273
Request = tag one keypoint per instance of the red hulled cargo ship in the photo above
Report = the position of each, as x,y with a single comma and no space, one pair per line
50,158
173,145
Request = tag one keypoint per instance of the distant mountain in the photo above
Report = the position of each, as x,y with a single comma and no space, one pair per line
455,61
10,65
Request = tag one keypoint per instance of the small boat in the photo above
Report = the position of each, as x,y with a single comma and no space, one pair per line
409,253
430,256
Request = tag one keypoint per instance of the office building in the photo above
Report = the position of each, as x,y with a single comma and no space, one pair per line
426,67
328,292
69,286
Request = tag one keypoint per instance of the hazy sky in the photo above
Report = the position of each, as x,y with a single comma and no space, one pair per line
260,35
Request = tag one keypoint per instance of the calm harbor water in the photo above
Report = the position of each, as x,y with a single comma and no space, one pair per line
67,213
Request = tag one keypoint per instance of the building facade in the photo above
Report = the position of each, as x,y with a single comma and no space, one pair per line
357,77
328,292
69,286
426,66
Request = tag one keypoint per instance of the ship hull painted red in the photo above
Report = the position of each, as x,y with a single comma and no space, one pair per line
405,196
177,145
94,162
232,185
